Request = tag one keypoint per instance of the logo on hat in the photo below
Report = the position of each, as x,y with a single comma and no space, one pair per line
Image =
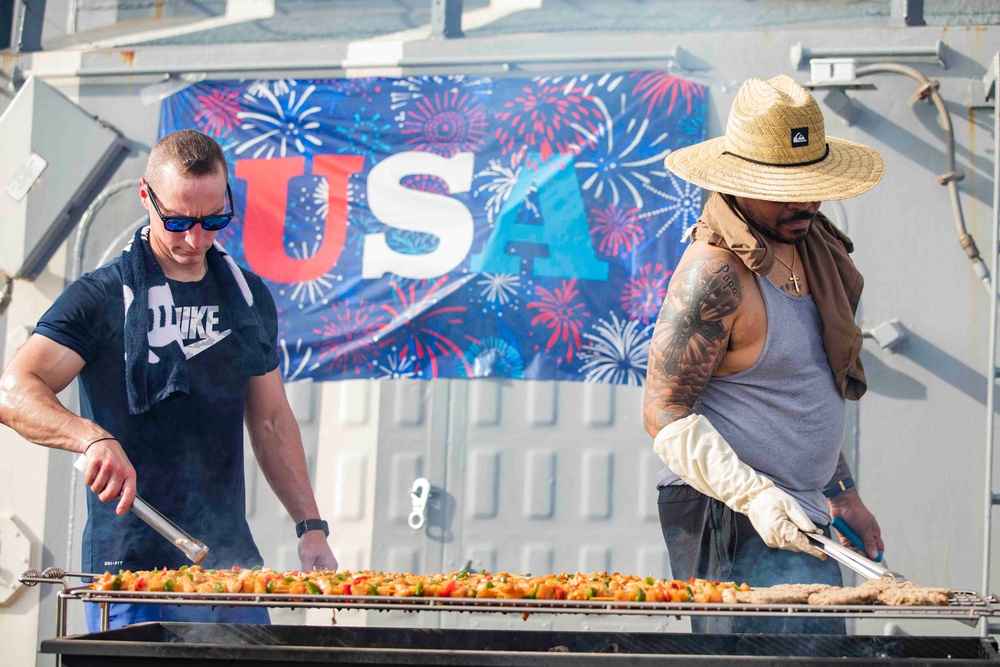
800,136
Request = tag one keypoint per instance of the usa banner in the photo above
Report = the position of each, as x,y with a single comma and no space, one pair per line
457,226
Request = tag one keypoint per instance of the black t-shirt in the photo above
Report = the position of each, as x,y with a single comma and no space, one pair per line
187,449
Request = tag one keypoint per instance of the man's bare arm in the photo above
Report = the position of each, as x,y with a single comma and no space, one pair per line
690,337
41,369
28,404
277,444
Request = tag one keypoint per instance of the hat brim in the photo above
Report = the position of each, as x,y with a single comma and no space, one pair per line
847,171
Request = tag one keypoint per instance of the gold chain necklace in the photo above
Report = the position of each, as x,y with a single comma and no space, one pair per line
791,270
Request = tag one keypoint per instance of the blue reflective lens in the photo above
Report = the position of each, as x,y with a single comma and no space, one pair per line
210,223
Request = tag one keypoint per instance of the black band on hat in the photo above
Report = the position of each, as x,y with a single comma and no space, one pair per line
791,164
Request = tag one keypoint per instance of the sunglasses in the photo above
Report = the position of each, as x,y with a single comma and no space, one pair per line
210,223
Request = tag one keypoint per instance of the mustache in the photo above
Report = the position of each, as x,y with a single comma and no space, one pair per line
801,215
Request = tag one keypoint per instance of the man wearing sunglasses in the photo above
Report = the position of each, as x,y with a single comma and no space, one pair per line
175,348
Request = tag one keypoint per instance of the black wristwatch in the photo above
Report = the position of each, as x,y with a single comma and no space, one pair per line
837,488
304,526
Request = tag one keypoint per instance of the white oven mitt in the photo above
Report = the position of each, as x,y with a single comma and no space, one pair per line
699,455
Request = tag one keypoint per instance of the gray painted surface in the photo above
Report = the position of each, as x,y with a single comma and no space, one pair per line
527,476
301,20
918,435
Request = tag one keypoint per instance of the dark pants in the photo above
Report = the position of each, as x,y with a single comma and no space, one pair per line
707,540
128,614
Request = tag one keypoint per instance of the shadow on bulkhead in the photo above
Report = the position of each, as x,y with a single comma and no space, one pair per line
887,381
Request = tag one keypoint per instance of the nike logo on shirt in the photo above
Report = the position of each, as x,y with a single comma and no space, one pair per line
198,328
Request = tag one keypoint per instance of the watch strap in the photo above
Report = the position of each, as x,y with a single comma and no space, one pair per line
838,487
304,526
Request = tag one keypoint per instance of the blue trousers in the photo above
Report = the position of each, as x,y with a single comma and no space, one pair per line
127,614
708,540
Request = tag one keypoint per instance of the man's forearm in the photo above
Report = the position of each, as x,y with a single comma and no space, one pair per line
282,460
30,407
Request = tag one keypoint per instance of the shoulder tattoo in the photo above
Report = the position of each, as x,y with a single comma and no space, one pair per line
689,335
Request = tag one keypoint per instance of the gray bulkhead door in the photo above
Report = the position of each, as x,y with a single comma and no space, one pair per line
527,477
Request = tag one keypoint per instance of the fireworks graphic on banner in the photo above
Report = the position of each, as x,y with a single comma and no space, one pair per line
544,253
621,157
616,229
561,311
499,187
395,367
684,204
587,83
499,288
445,123
418,319
294,361
276,87
617,353
365,135
360,223
413,88
495,357
547,120
217,111
347,337
278,124
321,198
644,294
655,87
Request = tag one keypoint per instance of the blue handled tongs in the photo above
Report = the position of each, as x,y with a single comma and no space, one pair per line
866,567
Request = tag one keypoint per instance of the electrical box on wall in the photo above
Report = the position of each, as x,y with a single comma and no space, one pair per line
53,156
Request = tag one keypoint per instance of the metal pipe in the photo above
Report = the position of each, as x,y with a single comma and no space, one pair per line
951,177
991,385
801,55
276,66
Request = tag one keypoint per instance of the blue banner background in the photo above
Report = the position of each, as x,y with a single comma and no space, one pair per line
575,224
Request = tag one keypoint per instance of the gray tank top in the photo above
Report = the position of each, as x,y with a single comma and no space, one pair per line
783,416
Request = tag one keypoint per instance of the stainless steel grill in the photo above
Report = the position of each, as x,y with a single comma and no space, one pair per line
966,606
212,644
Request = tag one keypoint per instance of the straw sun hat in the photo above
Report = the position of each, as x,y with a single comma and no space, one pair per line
776,149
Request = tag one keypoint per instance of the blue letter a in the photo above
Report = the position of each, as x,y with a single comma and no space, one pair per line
564,230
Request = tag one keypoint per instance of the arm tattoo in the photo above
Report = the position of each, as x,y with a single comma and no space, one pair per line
842,472
690,338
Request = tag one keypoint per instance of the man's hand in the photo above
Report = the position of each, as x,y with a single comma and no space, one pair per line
110,474
848,506
315,553
781,521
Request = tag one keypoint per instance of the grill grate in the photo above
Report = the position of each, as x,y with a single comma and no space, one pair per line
966,606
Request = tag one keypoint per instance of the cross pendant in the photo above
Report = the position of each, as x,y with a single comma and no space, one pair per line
795,282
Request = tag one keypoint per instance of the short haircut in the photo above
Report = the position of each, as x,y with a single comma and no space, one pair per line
191,152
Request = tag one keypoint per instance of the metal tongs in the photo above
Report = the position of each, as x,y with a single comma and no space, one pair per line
851,559
192,548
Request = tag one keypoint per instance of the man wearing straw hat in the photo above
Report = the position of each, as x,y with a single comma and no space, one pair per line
755,351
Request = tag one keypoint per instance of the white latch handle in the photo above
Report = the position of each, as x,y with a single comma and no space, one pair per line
419,495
